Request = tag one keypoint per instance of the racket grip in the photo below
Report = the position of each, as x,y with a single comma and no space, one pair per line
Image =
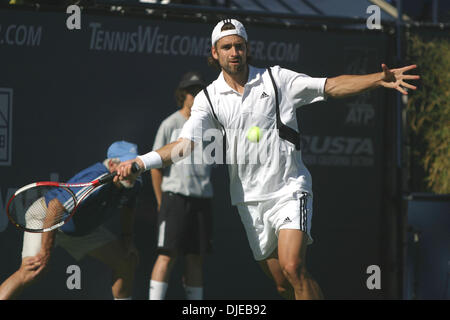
108,178
135,167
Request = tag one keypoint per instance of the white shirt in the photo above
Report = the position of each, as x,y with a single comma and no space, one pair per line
279,167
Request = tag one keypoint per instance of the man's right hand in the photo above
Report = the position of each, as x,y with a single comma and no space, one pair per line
124,170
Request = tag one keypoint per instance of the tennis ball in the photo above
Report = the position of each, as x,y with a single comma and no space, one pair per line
254,134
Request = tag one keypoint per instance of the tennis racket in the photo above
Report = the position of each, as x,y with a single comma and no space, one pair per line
47,205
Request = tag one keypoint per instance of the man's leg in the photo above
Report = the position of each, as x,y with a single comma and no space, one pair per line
114,255
193,276
161,274
271,267
292,261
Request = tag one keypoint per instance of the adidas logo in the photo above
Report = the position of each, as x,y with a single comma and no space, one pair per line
264,95
287,220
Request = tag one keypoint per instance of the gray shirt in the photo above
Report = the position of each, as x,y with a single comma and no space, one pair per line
186,179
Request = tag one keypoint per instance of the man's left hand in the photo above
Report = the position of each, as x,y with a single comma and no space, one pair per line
394,78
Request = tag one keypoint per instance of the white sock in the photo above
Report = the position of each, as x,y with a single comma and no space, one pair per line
128,298
194,293
157,290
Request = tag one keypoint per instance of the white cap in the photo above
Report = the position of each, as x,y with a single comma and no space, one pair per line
218,34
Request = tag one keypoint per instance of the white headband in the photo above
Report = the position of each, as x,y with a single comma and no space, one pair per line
218,34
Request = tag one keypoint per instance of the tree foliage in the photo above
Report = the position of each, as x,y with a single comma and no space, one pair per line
428,110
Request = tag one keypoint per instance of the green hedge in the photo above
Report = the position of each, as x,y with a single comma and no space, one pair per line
428,110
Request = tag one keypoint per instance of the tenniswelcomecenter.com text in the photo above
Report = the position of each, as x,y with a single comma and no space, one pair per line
153,40
20,35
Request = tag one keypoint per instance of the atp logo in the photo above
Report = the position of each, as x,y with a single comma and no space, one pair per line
360,114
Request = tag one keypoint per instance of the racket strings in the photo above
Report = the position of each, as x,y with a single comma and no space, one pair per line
41,207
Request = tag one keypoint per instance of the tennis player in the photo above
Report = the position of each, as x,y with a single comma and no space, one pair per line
183,193
84,234
274,197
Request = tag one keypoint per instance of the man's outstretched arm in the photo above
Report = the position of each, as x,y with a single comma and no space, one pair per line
167,155
348,85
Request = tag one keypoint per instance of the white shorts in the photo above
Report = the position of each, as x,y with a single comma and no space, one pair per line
264,219
77,247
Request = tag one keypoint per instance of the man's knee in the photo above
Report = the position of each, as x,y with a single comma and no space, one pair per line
294,269
166,259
